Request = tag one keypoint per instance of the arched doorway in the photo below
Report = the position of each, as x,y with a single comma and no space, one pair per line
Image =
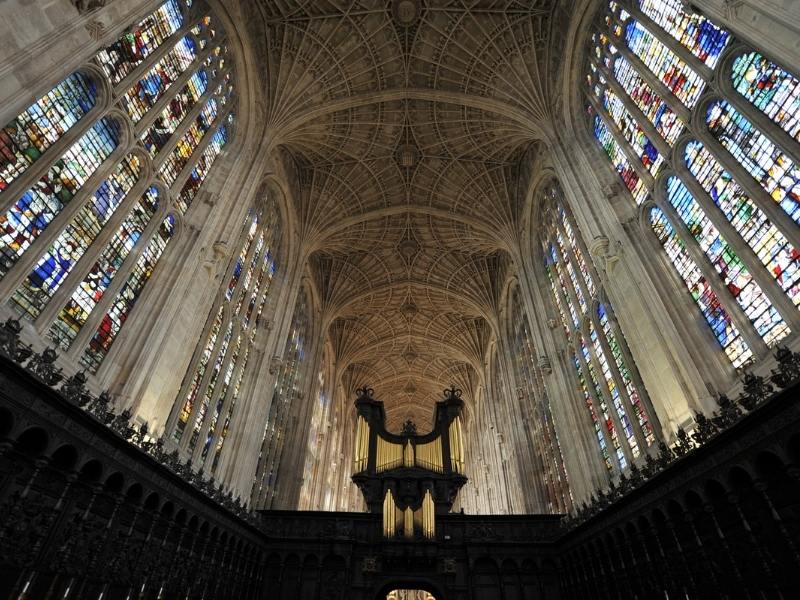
412,589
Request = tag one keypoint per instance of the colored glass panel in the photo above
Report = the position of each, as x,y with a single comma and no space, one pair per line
36,209
649,102
129,51
601,440
770,89
704,39
42,124
734,274
90,291
626,172
201,169
197,377
141,97
632,132
183,150
73,241
127,297
671,70
716,316
769,244
160,132
772,168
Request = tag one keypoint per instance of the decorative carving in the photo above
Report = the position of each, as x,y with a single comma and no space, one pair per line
369,564
275,364
74,389
544,364
44,366
10,344
452,393
788,367
409,428
606,254
755,390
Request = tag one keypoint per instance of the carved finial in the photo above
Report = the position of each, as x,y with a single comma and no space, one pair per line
364,393
453,393
409,428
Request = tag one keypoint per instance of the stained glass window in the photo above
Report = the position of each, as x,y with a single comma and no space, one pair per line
542,429
605,375
712,309
774,170
626,172
76,237
112,321
24,139
139,42
90,291
198,174
37,207
733,273
140,98
770,89
183,150
671,70
704,39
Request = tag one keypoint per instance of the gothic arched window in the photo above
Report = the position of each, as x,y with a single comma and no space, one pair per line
205,405
289,383
89,171
536,413
704,132
614,394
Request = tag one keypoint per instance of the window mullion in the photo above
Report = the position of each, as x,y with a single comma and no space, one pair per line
84,264
592,389
152,113
187,121
747,330
654,136
755,192
25,264
120,277
678,107
622,388
101,108
141,69
757,269
670,42
180,180
622,436
644,175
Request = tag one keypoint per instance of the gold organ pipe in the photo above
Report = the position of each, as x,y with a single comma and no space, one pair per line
429,456
361,453
428,515
456,446
388,515
408,522
390,455
408,455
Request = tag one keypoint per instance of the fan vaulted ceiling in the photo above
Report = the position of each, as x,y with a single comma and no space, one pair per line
406,123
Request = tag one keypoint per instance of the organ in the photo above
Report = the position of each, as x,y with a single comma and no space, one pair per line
408,477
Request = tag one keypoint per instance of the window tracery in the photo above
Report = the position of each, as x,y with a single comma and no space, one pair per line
614,395
101,175
535,407
714,212
207,398
289,382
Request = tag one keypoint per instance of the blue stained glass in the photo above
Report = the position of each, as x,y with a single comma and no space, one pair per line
71,244
718,319
734,274
42,124
201,169
129,51
770,89
36,209
704,39
774,170
671,70
769,244
632,132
